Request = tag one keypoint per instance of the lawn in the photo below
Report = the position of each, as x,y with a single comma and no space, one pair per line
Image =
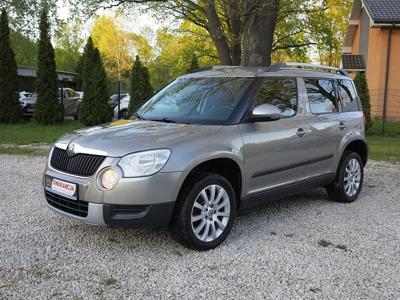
384,148
32,133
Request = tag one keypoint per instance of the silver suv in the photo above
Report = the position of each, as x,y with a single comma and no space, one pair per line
212,143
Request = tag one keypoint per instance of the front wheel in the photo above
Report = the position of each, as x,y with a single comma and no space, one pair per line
349,179
205,212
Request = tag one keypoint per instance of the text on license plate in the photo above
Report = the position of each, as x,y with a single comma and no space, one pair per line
63,187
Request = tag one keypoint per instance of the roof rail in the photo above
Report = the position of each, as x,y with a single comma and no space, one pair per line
280,66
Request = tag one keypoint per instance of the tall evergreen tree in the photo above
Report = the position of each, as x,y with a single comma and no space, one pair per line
362,87
194,64
95,108
48,109
141,88
10,109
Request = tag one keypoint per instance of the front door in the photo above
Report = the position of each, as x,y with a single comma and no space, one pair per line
276,152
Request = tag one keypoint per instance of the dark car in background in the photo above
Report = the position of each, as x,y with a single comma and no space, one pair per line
71,101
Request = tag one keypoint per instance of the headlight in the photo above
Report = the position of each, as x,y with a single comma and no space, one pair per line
144,163
108,179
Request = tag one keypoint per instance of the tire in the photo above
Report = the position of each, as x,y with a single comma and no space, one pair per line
192,213
349,179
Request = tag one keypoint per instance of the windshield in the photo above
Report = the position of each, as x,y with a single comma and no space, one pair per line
196,100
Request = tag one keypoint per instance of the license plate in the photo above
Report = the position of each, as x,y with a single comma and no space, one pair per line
64,187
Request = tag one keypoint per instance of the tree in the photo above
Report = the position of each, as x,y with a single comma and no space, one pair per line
194,64
232,25
94,108
48,109
10,109
176,48
362,87
25,49
68,44
328,26
141,88
22,14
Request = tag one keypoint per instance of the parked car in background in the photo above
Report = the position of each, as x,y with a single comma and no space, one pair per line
71,101
123,108
114,99
28,104
210,144
23,95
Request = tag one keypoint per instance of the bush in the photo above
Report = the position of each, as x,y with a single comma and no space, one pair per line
95,108
362,87
48,109
141,88
10,109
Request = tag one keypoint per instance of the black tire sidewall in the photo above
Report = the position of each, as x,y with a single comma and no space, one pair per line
341,173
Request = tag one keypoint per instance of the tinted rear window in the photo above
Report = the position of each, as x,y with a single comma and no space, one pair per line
321,95
348,96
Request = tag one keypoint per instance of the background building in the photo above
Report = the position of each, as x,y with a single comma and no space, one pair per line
372,45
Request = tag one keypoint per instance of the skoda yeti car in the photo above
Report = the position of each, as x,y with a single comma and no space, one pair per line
212,143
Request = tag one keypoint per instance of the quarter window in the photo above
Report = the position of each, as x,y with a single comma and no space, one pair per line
321,96
348,96
281,92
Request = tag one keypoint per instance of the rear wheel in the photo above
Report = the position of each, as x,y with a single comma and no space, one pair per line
205,212
349,179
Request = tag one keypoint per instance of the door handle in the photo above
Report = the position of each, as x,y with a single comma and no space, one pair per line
342,125
301,132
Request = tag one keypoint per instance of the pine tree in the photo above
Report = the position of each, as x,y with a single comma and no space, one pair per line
194,65
362,87
141,88
10,109
95,108
48,108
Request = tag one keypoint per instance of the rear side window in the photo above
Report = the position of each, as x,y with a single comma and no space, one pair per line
348,96
321,96
281,92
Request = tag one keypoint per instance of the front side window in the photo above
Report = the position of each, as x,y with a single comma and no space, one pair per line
196,100
348,96
280,92
321,96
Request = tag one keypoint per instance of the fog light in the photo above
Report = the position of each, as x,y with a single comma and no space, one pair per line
108,179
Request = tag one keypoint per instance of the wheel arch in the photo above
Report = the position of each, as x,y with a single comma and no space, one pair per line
223,166
358,146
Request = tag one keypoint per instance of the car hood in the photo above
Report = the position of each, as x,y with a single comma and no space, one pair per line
126,136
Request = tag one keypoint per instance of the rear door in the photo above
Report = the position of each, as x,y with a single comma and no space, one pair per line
276,151
327,127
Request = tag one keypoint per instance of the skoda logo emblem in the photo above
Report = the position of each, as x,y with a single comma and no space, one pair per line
71,150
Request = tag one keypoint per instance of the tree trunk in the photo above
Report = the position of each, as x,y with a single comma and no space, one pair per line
235,26
259,20
217,34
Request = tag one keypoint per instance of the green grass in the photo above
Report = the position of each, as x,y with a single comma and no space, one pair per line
384,148
31,132
391,128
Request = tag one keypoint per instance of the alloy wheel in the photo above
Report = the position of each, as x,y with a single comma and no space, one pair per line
352,177
210,213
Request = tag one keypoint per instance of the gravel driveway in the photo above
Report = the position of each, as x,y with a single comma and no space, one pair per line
301,247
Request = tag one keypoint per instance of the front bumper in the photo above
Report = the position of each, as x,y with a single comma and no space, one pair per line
124,216
142,201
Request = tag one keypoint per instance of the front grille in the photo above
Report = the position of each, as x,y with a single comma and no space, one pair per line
79,164
73,207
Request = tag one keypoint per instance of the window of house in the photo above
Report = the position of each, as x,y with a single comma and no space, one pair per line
348,96
280,92
321,96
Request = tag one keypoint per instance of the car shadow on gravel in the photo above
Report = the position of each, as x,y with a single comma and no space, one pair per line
262,218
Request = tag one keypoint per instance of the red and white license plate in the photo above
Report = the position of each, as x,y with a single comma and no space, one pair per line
63,187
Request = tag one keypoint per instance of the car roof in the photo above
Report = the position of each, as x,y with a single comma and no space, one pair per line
277,70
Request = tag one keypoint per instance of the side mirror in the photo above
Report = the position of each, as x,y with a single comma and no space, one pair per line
265,113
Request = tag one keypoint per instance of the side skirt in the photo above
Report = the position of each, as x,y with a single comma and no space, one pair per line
285,191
